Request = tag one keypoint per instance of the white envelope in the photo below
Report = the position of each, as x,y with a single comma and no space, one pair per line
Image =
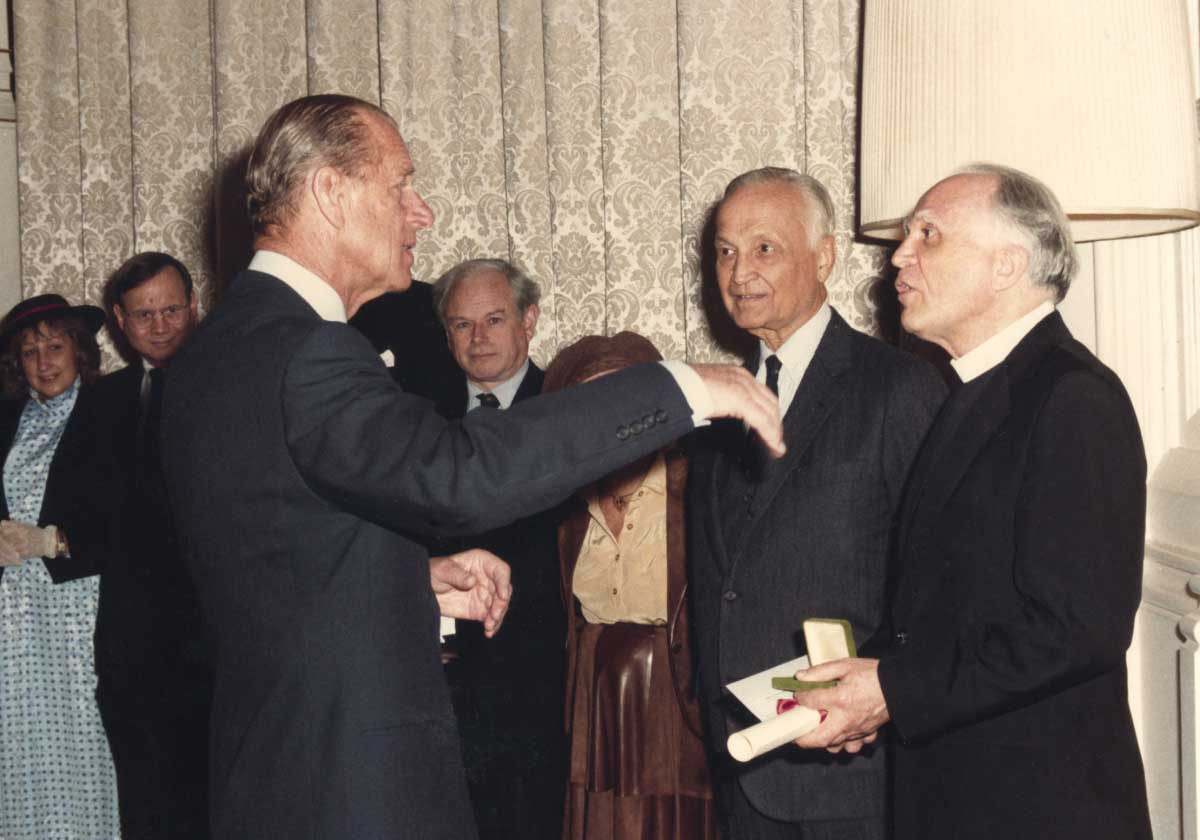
755,691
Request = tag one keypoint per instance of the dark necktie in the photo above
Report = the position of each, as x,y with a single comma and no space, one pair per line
150,420
488,400
773,365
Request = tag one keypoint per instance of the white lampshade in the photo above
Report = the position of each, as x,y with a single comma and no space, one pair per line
1093,97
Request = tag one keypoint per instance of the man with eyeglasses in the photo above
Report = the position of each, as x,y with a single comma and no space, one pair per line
154,681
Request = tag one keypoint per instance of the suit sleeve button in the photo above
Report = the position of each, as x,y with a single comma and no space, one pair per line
730,595
901,637
622,433
636,427
660,416
648,421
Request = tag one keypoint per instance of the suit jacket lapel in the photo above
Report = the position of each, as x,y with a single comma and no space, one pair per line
819,393
944,461
10,418
531,385
726,441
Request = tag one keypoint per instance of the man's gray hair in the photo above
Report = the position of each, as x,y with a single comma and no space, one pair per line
1031,208
525,290
820,206
323,130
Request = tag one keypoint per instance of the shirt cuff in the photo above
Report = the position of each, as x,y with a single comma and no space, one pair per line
694,391
446,627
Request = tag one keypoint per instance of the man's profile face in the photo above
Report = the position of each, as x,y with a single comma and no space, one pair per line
488,336
772,280
385,214
946,261
157,316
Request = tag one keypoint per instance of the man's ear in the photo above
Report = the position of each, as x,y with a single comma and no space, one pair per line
826,257
529,320
330,191
1009,264
120,316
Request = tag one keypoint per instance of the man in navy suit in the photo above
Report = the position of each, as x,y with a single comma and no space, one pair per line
1020,545
301,477
507,691
153,676
808,535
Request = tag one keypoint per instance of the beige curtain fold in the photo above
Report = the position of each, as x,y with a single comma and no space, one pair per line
583,139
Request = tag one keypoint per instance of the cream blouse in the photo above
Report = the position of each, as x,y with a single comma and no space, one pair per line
623,577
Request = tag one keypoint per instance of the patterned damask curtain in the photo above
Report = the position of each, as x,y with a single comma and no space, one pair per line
583,139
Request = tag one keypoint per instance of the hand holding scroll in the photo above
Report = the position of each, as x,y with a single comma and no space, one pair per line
856,707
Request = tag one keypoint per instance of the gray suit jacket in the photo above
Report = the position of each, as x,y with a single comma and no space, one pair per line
807,536
297,471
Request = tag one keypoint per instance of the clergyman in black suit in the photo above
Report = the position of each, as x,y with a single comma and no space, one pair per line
507,691
1021,540
300,475
808,535
154,680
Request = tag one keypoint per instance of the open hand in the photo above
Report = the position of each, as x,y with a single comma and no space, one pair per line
473,585
735,393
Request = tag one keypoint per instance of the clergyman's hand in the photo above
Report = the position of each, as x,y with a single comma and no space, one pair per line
473,585
856,705
735,393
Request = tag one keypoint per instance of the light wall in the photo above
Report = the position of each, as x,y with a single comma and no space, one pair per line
10,250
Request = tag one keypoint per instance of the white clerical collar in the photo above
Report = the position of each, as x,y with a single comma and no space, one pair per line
316,292
505,392
795,354
996,349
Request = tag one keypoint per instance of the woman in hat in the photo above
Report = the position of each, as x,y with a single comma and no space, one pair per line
56,776
637,766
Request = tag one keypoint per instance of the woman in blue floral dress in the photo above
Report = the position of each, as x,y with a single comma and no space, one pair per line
56,775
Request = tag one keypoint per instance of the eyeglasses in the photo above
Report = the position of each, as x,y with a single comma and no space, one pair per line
143,318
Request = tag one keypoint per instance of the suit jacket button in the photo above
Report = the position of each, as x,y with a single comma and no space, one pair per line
622,432
730,595
901,637
660,416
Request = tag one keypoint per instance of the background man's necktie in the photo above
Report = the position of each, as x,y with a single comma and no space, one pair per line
773,365
488,400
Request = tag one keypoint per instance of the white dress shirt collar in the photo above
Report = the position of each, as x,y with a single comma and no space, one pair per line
795,354
505,392
995,350
316,292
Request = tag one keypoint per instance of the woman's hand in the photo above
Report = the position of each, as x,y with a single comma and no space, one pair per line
28,541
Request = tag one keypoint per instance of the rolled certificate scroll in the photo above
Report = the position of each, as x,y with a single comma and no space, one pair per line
773,732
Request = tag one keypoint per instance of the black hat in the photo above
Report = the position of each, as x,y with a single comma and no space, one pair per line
39,308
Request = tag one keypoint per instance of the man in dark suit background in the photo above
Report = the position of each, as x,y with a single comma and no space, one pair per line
1020,543
808,535
300,473
154,681
507,691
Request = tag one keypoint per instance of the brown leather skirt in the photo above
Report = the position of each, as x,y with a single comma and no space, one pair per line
637,771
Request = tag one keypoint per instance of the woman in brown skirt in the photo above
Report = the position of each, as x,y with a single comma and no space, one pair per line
637,766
